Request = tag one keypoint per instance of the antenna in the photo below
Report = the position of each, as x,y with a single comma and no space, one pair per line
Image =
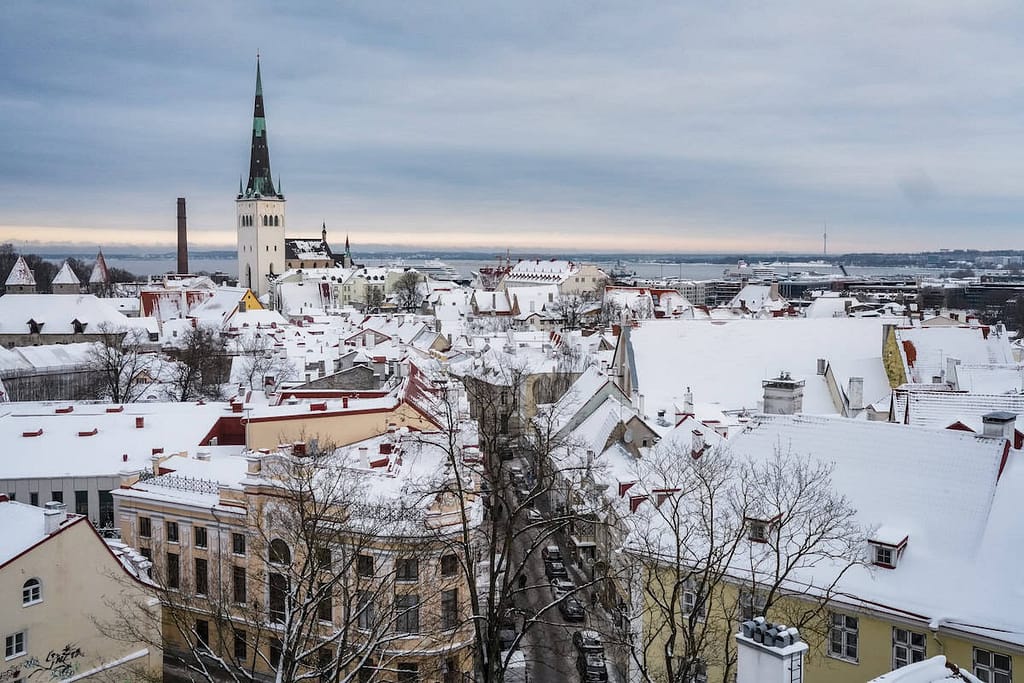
824,240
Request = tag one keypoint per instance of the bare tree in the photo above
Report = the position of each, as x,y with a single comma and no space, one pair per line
483,426
709,527
408,290
374,297
258,359
314,599
199,366
116,361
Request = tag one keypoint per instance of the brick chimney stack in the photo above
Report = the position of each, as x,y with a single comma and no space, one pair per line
182,238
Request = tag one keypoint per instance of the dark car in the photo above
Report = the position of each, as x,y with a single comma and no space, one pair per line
588,641
555,570
551,552
591,667
572,609
507,631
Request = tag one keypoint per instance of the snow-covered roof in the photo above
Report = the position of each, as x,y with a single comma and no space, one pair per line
36,441
932,670
219,307
941,409
57,312
20,274
99,275
66,276
926,349
24,526
45,357
725,363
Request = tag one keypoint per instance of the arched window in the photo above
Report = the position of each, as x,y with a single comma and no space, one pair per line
277,221
264,220
279,552
32,592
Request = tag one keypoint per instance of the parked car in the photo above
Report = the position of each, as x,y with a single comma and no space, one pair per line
507,631
572,609
591,667
551,552
555,570
588,641
560,587
534,515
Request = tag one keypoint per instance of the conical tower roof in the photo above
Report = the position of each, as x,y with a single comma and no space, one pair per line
21,274
66,276
260,181
100,275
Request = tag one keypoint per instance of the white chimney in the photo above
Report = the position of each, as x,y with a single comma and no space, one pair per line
54,515
688,402
855,393
822,366
951,378
999,424
769,653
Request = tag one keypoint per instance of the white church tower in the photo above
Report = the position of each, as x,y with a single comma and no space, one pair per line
260,211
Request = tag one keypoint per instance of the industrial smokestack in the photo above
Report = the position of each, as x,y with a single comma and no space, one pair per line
182,238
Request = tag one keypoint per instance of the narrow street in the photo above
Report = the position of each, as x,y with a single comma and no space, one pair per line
548,646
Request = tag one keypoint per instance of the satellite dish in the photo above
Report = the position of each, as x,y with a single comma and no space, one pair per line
628,436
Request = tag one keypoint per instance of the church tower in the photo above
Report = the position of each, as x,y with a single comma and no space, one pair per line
260,211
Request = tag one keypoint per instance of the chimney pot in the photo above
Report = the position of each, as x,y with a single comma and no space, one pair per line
124,458
140,422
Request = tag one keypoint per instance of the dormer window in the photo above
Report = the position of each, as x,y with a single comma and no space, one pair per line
758,528
78,326
34,327
886,546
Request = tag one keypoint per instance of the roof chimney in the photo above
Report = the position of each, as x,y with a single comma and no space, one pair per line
855,393
783,395
769,653
54,515
182,238
999,424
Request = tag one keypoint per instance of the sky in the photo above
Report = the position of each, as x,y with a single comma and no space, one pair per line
631,126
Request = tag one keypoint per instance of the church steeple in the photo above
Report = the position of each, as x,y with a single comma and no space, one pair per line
260,181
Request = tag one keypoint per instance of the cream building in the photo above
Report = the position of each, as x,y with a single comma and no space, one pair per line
59,583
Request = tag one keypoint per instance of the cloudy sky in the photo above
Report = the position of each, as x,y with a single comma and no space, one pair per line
630,125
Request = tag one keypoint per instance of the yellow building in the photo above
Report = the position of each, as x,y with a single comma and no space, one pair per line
60,583
922,563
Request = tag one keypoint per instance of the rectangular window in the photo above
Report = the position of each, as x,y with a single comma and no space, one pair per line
145,527
907,647
173,571
752,604
451,671
146,553
241,648
33,498
57,496
449,565
323,557
199,536
407,613
325,608
449,609
843,638
14,645
324,660
883,556
692,603
757,531
106,509
172,532
203,631
238,584
278,593
992,667
238,543
275,652
202,577
408,672
82,503
406,569
364,565
367,615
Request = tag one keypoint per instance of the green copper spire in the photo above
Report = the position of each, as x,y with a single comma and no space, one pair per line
261,182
